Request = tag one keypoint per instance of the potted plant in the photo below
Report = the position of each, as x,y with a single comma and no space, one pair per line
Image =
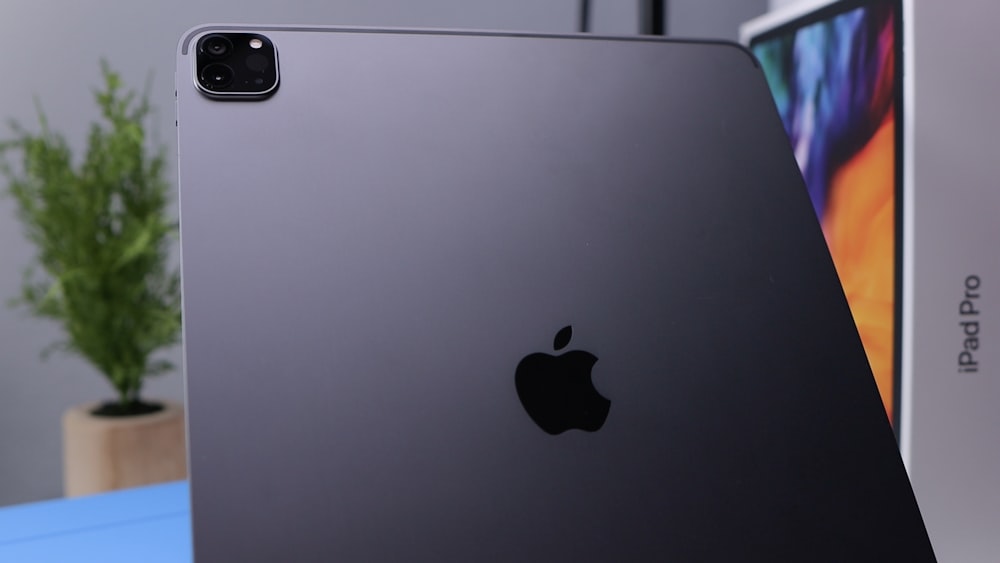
102,235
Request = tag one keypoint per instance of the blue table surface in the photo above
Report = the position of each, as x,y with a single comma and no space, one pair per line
148,524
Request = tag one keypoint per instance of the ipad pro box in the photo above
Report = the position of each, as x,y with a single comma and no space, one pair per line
952,443
940,389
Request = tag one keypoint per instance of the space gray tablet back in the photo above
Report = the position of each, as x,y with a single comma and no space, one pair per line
392,262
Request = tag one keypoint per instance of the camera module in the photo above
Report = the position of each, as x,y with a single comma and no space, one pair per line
235,65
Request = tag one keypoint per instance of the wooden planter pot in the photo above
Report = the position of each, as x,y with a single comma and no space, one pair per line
107,453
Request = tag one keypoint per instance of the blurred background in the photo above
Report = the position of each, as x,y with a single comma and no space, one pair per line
51,54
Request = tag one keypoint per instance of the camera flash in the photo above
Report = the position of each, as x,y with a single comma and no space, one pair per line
256,43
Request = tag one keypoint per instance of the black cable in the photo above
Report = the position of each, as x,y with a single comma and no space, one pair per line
653,17
584,16
659,17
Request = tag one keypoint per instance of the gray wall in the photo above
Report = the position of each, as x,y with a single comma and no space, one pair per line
777,4
717,19
51,50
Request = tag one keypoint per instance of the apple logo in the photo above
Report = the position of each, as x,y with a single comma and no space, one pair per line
557,391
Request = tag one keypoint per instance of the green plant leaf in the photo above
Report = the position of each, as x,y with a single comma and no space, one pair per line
137,246
51,349
159,367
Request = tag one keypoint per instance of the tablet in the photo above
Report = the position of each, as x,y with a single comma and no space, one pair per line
470,296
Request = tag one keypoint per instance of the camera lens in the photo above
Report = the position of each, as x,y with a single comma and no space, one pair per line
216,46
216,76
